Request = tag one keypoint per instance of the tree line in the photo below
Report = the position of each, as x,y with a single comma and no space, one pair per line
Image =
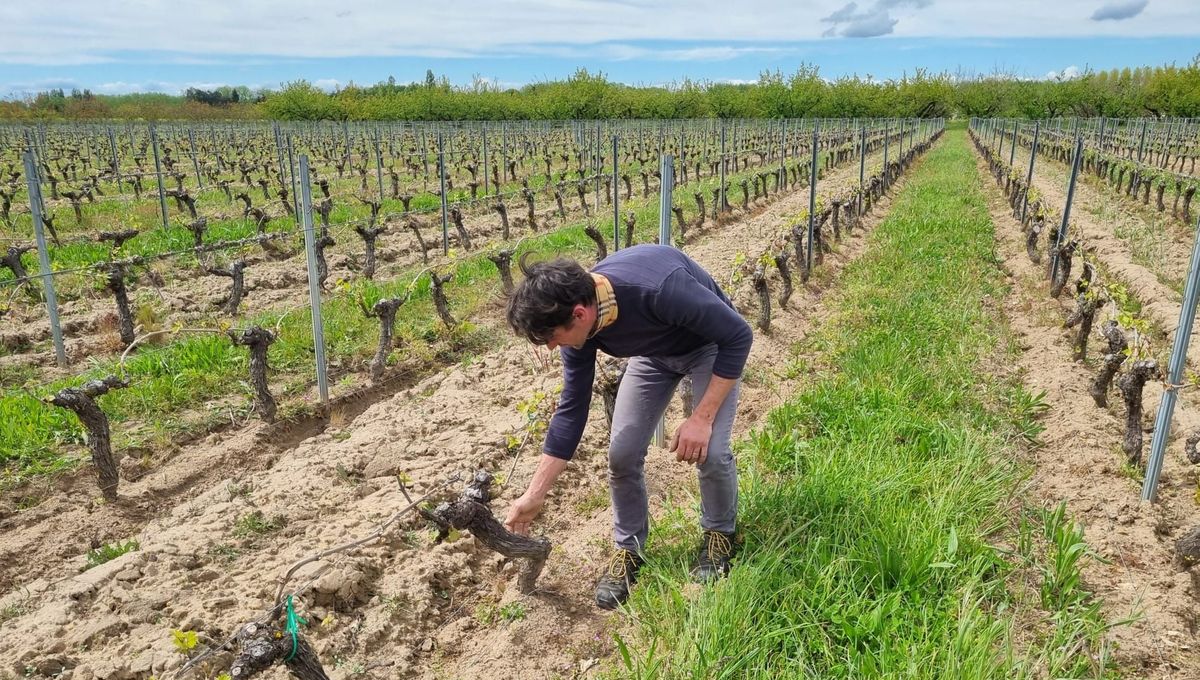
1162,91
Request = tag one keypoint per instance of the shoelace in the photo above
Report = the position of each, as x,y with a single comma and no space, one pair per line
718,544
618,565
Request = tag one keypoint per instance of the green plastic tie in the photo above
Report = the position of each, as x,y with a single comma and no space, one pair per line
293,626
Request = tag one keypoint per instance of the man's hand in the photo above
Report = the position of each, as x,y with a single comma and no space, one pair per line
522,513
523,510
690,443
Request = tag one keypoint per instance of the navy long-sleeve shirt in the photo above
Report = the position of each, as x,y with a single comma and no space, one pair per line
667,305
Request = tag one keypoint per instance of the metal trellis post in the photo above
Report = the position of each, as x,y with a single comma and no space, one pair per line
483,132
1037,128
314,284
862,157
1012,152
616,194
1178,361
378,166
162,197
812,202
720,207
195,163
1066,216
667,172
887,134
441,164
112,147
33,182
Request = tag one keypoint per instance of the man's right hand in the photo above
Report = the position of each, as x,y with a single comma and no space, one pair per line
522,513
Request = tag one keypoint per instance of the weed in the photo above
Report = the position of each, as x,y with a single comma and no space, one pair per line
256,524
596,499
1025,409
1129,470
395,604
224,552
12,611
513,611
489,614
184,641
109,552
347,476
236,490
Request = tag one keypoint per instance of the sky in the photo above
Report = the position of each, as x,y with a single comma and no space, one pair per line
115,47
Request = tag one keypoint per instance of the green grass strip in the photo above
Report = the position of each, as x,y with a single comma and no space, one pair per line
869,500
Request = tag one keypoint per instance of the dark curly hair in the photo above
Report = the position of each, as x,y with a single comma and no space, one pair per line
545,298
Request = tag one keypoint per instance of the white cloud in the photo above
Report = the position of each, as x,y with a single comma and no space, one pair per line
327,84
30,88
1067,73
875,21
1120,10
78,32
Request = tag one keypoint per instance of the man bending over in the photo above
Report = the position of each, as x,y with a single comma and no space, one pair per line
656,305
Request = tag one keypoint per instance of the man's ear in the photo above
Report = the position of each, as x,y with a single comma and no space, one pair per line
579,312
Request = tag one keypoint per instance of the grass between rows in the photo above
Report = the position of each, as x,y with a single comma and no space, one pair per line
873,502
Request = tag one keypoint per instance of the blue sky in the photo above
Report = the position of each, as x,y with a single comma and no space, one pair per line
161,45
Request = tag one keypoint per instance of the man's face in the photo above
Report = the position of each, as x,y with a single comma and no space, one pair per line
575,332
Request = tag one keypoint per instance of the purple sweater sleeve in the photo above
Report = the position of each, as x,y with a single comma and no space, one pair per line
686,302
569,419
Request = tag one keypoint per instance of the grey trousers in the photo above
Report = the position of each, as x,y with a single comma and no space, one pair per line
645,392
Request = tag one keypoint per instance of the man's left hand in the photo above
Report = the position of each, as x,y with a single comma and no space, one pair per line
690,443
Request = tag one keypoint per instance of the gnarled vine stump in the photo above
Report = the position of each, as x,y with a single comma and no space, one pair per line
440,302
502,211
384,310
236,272
678,211
1087,303
12,260
118,238
415,228
1131,385
785,272
456,216
530,213
797,236
1189,447
471,513
369,236
601,247
82,400
116,275
261,646
503,262
198,227
1066,253
1187,548
1031,240
1113,358
759,279
257,340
